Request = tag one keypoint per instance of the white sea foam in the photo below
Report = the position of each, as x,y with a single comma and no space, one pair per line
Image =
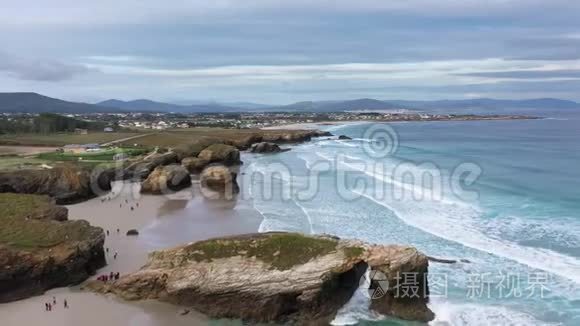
460,222
308,218
357,308
447,313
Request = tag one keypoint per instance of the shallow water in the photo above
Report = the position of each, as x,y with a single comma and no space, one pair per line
518,222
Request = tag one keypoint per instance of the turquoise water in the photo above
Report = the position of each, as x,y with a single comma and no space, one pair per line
517,222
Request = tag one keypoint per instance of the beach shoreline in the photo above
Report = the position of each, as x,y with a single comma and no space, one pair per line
162,222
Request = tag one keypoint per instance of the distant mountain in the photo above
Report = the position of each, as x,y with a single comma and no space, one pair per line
491,104
338,106
364,104
36,103
143,105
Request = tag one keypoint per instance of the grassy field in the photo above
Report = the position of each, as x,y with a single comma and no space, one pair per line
16,163
175,137
105,155
166,138
61,139
19,232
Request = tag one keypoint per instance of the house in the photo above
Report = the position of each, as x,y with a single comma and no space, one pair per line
108,129
80,131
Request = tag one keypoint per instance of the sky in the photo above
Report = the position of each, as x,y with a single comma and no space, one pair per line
279,52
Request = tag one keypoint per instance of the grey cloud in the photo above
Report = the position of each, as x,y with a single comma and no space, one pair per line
132,11
38,69
554,47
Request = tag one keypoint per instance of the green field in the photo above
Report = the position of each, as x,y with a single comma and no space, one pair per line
101,156
61,139
17,162
19,232
176,137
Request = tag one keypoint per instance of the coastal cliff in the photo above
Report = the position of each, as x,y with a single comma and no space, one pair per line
40,249
277,277
66,184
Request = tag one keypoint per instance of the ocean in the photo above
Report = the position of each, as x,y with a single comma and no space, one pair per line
503,196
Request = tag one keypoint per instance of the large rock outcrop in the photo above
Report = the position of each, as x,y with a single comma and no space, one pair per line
292,136
40,249
140,170
218,182
195,147
279,277
194,164
67,184
220,153
265,147
166,179
244,142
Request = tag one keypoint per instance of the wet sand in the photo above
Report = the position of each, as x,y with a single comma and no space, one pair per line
162,222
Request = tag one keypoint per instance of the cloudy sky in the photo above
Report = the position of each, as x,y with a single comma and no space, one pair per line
273,51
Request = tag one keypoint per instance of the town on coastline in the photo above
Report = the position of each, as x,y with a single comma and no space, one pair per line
168,120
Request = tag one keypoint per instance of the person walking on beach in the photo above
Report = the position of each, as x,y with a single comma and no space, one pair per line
54,300
115,256
46,306
65,304
107,232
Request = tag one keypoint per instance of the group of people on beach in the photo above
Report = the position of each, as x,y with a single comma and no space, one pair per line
48,306
109,277
130,205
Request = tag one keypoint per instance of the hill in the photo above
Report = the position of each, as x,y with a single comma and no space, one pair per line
492,104
337,106
144,105
36,103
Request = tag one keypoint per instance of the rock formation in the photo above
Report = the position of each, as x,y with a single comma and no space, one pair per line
194,164
132,232
193,148
291,136
343,137
265,147
166,179
279,277
224,154
217,181
40,249
67,184
140,170
243,143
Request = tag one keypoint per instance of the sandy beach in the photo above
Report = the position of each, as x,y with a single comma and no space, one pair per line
162,222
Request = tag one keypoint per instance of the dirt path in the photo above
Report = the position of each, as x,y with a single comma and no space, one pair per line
126,139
